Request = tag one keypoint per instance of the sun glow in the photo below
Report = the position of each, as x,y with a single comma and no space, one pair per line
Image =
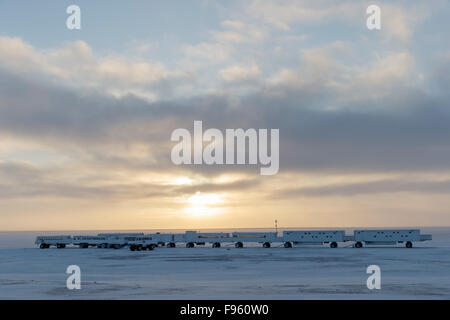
204,204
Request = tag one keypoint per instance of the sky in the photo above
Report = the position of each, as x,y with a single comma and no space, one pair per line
86,115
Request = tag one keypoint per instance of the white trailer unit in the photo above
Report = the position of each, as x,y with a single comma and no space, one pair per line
118,240
87,241
383,237
194,237
60,241
146,242
313,237
261,237
161,238
169,238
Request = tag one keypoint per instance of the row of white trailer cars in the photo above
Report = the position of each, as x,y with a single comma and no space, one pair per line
141,241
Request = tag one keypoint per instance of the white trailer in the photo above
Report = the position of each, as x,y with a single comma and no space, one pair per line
261,237
146,242
313,237
60,241
194,237
388,237
118,240
169,238
89,241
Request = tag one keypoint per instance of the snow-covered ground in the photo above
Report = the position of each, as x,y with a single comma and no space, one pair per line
422,272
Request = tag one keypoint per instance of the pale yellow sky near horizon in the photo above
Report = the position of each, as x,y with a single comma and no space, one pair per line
257,207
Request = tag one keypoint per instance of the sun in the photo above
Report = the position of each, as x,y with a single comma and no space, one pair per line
204,204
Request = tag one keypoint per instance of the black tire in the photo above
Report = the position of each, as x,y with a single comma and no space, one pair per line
216,245
266,245
358,244
151,247
162,244
189,245
288,245
132,248
60,246
138,248
43,246
171,245
238,245
333,245
409,244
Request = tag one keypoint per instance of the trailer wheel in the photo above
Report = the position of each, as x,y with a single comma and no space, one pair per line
43,246
161,243
132,248
409,244
358,244
266,245
333,245
171,245
239,245
189,245
288,245
216,245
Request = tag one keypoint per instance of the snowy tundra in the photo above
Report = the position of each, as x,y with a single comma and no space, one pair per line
422,272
